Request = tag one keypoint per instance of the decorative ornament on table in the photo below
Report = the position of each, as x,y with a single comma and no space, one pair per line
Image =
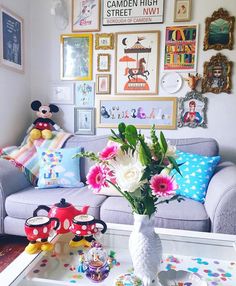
42,126
192,107
139,169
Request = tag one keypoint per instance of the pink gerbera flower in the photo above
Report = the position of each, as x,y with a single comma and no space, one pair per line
162,185
108,152
96,178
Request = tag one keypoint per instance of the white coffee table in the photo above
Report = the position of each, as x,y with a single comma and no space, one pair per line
212,257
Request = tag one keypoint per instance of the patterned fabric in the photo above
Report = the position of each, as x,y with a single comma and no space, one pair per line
59,168
196,172
25,156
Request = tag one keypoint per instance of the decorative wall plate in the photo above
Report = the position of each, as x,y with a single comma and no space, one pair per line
181,277
171,82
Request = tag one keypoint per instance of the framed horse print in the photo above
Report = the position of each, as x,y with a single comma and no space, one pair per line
137,56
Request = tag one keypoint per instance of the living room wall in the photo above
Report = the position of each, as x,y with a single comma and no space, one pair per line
45,69
15,87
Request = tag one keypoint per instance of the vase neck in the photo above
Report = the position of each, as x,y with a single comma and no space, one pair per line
143,223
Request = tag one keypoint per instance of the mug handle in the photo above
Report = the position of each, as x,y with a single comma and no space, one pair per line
102,223
41,207
57,222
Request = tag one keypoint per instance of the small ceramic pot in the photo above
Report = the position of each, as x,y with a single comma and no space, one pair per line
39,227
85,225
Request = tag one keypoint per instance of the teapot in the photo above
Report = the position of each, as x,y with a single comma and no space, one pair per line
64,211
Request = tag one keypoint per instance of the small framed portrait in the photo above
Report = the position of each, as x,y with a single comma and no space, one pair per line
84,93
219,31
103,62
12,40
217,75
192,110
84,120
104,41
103,83
62,93
182,10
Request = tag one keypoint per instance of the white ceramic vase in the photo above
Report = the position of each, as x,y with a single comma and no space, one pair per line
145,250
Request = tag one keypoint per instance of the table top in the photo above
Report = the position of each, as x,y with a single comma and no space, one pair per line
210,256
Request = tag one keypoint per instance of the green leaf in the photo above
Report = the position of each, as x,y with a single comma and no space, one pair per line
163,143
175,165
121,128
146,149
149,205
131,135
143,156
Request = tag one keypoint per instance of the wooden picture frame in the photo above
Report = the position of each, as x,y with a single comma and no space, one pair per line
76,56
84,120
219,31
84,93
142,112
217,75
12,40
192,110
137,63
86,16
61,93
182,10
104,41
103,83
103,62
181,52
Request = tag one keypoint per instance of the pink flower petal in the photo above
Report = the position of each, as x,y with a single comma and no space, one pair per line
162,185
96,178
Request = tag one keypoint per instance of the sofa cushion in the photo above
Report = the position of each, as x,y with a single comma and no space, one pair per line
23,203
188,214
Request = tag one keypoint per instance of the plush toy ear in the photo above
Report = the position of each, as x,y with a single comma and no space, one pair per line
53,108
35,105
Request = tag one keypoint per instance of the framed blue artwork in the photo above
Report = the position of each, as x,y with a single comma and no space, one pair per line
12,48
84,93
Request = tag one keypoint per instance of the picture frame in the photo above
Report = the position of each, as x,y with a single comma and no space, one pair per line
143,112
219,31
84,93
192,110
137,58
217,75
133,13
61,93
104,41
103,62
86,16
182,10
84,120
103,83
76,56
181,38
12,40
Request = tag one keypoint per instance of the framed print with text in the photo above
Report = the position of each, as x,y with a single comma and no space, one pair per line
104,41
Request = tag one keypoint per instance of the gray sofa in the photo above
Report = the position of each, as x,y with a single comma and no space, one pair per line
19,199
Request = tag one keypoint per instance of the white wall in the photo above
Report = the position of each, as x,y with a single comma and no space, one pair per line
14,87
45,68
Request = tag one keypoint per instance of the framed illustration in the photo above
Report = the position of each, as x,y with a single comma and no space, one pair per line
84,93
104,41
62,93
142,112
217,75
192,110
103,83
182,10
84,120
103,62
12,40
85,15
181,48
219,31
132,12
76,56
137,56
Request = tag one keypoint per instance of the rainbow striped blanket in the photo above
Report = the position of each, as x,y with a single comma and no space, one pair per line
25,156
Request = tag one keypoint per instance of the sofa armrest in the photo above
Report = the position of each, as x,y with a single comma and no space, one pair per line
221,199
12,180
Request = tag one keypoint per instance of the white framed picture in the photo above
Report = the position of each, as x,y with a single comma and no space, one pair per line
84,93
61,93
84,120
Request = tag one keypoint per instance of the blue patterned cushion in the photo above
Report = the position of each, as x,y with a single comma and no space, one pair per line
58,168
196,172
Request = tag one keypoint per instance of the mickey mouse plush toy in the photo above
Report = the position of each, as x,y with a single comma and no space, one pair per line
43,125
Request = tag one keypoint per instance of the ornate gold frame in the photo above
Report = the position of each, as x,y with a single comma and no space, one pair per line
221,61
99,46
99,62
219,14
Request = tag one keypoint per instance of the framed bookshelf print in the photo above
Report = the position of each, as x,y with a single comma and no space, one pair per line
12,40
76,56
